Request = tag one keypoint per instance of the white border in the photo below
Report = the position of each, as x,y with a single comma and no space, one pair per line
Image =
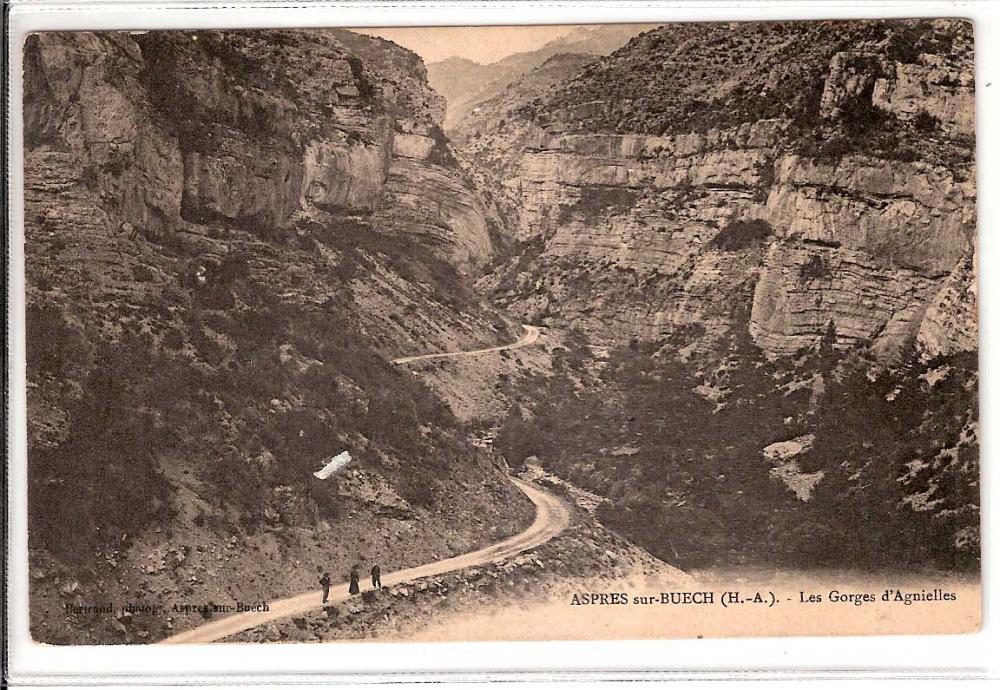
918,656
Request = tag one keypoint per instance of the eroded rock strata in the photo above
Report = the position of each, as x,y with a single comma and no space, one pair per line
228,236
867,189
737,237
762,233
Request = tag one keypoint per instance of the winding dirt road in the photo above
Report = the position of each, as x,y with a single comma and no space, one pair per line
530,337
551,518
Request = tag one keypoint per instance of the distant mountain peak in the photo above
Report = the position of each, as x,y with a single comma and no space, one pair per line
465,83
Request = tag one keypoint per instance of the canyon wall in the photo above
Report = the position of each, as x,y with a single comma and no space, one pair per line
853,210
263,128
228,236
770,231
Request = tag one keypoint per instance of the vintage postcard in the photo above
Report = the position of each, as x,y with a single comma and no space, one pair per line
494,333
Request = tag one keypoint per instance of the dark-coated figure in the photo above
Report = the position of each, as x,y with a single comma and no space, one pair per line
325,581
355,587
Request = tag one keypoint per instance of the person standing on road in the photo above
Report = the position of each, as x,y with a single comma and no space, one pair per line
376,577
325,581
355,587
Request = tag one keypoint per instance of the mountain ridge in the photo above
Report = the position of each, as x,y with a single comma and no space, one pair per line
464,83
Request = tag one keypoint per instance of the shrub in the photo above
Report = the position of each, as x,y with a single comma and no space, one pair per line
242,484
859,116
105,473
741,234
143,274
926,123
519,439
815,267
302,440
206,345
325,495
365,88
595,201
417,487
53,344
903,44
233,267
766,182
89,176
442,154
905,154
215,296
173,339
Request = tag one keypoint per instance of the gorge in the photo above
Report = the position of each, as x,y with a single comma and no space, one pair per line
745,256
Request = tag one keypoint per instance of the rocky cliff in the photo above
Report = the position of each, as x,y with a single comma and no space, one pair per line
264,128
228,235
825,169
771,230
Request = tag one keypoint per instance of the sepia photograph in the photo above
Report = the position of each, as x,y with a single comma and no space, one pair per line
489,333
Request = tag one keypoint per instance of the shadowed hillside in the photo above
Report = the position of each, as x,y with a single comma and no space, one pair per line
227,239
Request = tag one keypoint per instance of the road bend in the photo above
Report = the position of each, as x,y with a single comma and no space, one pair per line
551,517
529,338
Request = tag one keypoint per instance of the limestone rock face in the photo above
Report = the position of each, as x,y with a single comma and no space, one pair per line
620,258
803,290
85,95
950,323
867,243
934,86
349,178
784,456
909,214
260,188
940,86
880,235
374,490
432,204
412,146
631,234
250,128
852,74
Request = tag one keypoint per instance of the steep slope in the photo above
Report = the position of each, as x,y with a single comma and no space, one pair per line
455,78
802,162
820,462
466,84
770,228
516,96
228,237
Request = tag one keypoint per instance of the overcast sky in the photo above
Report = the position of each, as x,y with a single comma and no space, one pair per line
483,44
